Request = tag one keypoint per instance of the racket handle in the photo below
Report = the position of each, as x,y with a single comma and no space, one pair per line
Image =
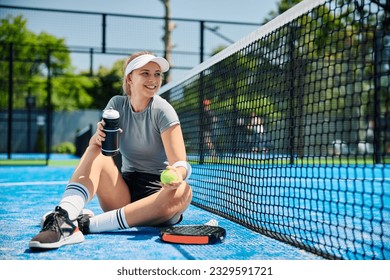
212,222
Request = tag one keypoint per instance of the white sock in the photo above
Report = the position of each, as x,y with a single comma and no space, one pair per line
108,221
74,199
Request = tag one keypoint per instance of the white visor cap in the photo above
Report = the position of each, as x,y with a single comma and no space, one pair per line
144,59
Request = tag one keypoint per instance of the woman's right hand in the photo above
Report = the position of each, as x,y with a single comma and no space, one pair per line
99,135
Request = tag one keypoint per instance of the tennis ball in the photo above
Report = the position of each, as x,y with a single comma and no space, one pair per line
168,176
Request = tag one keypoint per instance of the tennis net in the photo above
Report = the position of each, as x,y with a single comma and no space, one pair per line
288,129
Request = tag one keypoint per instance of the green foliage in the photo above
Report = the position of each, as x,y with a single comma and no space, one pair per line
14,30
71,92
64,148
230,87
326,44
31,53
33,48
108,83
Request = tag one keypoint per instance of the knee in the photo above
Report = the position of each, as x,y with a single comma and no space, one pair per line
93,152
175,202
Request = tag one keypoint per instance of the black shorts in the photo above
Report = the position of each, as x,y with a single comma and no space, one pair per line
142,185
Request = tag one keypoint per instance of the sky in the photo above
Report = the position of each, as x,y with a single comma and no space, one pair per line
249,11
221,10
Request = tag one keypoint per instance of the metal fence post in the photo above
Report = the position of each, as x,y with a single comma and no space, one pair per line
10,97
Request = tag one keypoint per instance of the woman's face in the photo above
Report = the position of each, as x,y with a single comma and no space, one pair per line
146,81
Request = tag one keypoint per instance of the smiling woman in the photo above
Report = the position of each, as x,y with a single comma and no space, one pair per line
143,78
151,140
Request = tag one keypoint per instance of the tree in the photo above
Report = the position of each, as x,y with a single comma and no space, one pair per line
32,54
107,83
333,49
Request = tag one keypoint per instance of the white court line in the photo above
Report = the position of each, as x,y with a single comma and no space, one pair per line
14,184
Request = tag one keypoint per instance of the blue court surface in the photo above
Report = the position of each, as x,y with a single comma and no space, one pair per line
26,193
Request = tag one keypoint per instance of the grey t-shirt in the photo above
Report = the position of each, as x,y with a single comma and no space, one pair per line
140,142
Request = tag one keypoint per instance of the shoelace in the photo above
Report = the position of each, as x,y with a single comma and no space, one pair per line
53,222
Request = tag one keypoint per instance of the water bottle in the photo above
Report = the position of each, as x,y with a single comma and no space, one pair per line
110,147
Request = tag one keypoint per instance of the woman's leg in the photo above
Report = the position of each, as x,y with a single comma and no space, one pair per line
159,207
94,170
100,175
156,209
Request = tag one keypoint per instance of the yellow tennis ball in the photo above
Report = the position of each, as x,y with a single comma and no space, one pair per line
168,176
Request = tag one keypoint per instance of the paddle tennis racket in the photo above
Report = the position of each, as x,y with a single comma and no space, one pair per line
193,234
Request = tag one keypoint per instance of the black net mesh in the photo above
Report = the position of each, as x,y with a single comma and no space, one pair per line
288,129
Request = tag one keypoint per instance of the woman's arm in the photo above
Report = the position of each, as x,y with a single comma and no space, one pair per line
175,149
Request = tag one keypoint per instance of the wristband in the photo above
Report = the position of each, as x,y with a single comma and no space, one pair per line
186,165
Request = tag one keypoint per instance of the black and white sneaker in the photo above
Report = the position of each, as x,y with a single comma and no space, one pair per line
57,230
85,213
83,222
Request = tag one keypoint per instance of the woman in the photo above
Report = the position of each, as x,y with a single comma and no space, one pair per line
151,136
